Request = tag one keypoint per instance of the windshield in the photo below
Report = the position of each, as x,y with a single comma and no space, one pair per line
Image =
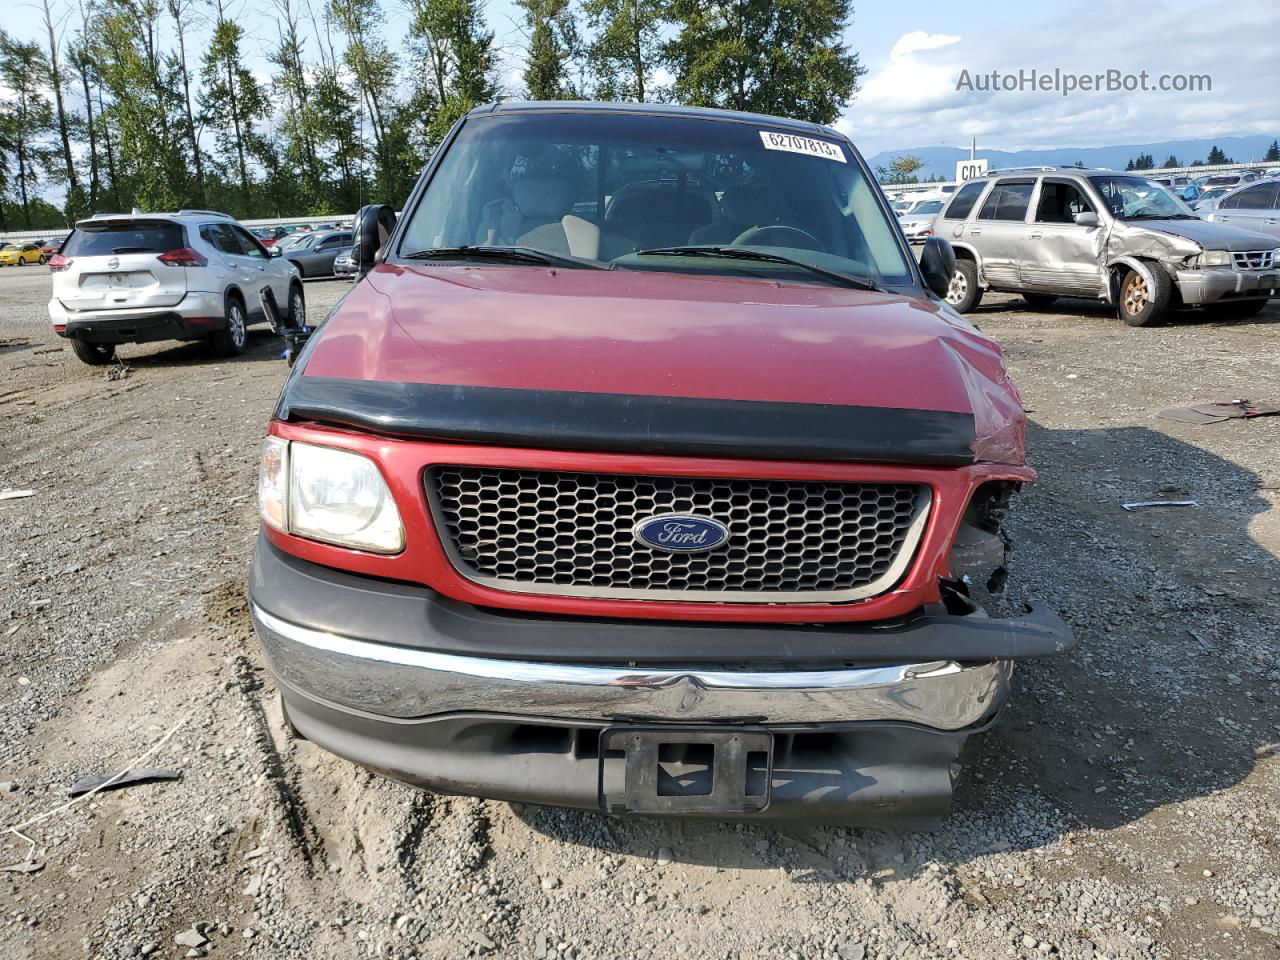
929,206
604,187
1135,198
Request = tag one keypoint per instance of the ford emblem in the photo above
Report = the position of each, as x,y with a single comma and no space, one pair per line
681,533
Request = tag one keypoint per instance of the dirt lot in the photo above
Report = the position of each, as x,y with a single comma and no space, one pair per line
1128,805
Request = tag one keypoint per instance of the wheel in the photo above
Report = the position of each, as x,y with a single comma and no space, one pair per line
1039,301
297,306
1144,304
231,340
964,293
1238,310
43,259
22,261
94,354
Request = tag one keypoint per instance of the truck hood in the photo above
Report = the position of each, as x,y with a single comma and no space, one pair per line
1210,235
623,336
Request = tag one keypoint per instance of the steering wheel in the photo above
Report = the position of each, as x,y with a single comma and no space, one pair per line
808,240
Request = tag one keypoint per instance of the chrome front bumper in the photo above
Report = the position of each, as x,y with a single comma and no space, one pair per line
409,683
1210,285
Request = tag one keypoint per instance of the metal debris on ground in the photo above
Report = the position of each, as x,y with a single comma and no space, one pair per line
1142,504
25,866
1203,413
16,494
114,781
119,371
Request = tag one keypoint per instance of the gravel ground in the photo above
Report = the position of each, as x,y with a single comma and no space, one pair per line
1125,807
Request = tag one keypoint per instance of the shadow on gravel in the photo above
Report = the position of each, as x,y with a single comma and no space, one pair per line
262,345
1068,306
1170,695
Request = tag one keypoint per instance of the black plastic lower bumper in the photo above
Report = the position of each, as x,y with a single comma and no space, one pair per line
149,329
871,774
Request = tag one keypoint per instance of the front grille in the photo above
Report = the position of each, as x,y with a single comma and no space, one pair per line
1254,259
571,534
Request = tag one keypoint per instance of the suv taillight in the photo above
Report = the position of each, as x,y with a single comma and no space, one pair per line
183,257
58,262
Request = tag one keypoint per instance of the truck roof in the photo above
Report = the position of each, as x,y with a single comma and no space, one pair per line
649,109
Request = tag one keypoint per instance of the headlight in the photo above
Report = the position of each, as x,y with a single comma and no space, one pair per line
1215,258
328,494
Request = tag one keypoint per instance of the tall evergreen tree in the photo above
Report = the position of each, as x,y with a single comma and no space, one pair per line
183,14
374,69
232,100
784,57
552,43
1273,152
1216,156
145,151
626,49
26,120
76,199
454,64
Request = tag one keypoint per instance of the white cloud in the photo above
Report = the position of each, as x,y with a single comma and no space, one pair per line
918,40
910,99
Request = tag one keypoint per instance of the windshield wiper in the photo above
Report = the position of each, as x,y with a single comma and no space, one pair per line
759,256
509,254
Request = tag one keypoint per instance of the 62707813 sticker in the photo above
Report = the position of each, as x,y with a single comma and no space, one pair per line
810,147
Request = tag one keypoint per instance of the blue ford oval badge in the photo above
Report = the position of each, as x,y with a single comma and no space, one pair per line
681,533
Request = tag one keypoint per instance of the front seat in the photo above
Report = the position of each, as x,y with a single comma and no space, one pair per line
742,208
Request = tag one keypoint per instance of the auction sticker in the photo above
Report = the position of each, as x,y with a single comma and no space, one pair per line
806,145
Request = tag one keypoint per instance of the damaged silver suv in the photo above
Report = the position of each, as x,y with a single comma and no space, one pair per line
1047,232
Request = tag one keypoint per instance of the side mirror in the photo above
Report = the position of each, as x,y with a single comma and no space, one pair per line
938,264
1087,219
274,251
374,224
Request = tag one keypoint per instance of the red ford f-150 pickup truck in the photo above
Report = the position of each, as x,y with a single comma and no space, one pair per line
646,471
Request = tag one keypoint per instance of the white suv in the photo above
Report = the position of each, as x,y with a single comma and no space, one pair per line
142,277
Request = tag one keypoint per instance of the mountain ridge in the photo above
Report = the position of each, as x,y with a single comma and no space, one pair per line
941,161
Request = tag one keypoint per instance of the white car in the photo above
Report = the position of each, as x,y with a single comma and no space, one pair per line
143,277
918,221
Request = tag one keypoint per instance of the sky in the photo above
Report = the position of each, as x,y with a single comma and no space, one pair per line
916,52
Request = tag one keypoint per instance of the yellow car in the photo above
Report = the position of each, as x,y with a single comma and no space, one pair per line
20,254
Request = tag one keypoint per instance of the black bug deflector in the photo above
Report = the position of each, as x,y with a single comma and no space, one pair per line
627,423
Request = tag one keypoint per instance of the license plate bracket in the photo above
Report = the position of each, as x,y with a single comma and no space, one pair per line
688,770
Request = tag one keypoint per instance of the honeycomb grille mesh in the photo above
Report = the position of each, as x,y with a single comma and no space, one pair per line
572,534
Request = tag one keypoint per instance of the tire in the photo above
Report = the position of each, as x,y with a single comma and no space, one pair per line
94,354
1239,310
43,259
297,306
232,339
1141,304
964,294
22,261
1038,301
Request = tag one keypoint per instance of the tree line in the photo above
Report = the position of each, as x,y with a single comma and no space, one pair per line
1216,157
152,103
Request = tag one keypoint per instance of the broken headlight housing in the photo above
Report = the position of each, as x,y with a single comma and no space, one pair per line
1214,258
326,494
